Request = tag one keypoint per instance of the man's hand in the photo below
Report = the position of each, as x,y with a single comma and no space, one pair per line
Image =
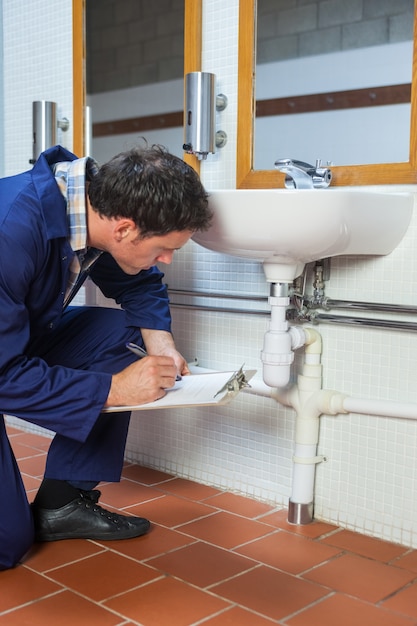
161,342
145,380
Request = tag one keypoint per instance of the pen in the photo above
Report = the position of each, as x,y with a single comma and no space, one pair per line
136,349
141,352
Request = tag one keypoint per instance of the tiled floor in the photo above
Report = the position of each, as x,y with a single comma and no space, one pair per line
211,558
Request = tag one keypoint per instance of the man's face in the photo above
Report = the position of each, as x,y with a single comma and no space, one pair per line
134,254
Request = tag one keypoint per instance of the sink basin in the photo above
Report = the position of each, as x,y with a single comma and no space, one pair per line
287,228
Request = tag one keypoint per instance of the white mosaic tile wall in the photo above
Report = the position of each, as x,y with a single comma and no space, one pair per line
37,56
369,482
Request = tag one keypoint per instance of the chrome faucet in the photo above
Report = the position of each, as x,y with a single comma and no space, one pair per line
300,175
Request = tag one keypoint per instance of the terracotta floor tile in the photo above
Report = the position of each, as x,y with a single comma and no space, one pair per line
239,505
31,485
287,552
156,604
65,609
39,442
226,530
46,556
269,592
145,475
126,493
20,585
201,564
346,611
237,616
365,546
157,541
408,561
21,451
121,574
253,567
171,511
404,601
360,577
34,466
188,489
314,529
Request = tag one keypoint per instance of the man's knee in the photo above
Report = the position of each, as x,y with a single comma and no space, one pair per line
15,540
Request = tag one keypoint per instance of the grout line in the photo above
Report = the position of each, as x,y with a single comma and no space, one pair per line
394,593
58,567
309,606
179,529
35,601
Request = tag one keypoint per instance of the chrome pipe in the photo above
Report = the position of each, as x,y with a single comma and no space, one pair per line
212,294
366,321
218,309
327,303
319,317
367,306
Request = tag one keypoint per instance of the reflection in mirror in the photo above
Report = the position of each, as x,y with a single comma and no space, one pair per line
325,83
328,82
135,68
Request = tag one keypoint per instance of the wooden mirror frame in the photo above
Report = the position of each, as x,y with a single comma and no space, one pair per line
78,77
192,63
248,178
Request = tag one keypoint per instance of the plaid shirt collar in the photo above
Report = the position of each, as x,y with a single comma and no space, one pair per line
71,177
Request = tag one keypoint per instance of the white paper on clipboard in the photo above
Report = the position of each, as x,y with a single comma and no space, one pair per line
206,389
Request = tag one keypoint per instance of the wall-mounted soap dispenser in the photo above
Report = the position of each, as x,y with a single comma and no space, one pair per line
45,125
201,103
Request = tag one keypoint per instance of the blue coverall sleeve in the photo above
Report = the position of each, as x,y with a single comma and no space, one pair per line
143,296
65,400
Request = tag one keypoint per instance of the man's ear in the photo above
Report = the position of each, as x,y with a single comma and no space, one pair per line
123,228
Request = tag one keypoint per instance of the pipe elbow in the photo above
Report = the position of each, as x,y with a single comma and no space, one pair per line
314,344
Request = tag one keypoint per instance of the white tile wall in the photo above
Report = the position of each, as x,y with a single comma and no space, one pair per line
37,54
369,482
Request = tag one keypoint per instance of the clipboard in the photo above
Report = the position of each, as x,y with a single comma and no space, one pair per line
208,389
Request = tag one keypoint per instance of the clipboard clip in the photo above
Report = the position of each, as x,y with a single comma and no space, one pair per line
235,383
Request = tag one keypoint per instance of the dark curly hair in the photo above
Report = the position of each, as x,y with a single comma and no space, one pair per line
154,188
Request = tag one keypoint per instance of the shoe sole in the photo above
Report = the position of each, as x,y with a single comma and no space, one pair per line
112,536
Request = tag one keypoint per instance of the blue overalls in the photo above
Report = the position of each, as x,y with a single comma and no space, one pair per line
55,366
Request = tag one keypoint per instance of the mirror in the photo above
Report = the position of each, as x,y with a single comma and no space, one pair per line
159,23
249,177
329,81
246,175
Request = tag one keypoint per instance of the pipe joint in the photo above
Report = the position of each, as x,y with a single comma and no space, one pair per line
307,430
331,402
311,377
314,460
298,337
279,300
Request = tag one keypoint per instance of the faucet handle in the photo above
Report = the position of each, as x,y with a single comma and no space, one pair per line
301,175
322,176
280,164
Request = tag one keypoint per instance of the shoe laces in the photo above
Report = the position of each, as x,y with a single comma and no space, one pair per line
90,498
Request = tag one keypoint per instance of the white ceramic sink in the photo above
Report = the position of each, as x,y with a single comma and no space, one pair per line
287,228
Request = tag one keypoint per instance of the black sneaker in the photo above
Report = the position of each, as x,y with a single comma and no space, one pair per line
83,518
